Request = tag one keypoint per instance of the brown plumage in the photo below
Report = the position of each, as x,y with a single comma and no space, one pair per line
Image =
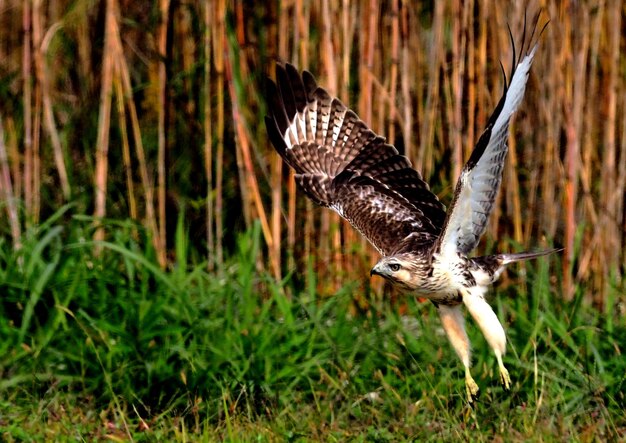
343,165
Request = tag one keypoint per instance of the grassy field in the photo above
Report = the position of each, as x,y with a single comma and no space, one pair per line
111,348
203,299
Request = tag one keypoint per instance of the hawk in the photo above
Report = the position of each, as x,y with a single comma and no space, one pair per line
342,164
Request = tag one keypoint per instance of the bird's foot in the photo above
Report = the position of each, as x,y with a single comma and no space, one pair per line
505,379
471,387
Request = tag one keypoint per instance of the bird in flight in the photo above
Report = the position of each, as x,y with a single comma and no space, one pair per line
341,164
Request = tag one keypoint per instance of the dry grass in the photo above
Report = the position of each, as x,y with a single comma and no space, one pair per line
188,78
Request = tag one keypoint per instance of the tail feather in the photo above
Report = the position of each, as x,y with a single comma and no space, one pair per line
505,259
492,266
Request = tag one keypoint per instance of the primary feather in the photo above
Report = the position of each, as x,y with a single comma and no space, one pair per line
480,180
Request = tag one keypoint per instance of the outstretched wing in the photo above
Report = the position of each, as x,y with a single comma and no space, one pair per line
481,177
341,164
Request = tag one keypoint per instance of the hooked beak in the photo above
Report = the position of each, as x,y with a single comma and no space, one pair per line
375,271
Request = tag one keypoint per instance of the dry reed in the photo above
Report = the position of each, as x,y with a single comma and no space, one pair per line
425,76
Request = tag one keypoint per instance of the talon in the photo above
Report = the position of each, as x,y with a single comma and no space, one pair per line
505,378
472,389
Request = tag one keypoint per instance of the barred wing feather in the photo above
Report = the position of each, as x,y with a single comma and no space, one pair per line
480,179
342,164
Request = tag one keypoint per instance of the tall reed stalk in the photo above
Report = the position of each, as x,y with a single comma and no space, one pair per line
425,76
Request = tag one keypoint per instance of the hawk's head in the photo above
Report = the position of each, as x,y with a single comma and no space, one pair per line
406,270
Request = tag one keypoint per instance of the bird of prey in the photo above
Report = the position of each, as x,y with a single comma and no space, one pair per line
341,164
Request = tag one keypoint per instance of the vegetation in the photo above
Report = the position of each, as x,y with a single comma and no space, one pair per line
162,279
112,347
143,109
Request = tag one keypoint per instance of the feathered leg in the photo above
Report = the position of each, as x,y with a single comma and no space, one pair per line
490,326
454,324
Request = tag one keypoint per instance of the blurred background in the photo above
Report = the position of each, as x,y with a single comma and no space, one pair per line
154,111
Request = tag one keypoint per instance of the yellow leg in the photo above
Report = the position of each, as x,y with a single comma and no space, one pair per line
504,374
454,325
490,326
470,386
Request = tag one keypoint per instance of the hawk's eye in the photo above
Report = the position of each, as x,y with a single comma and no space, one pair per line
394,267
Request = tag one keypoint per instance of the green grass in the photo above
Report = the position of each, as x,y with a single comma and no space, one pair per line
109,347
